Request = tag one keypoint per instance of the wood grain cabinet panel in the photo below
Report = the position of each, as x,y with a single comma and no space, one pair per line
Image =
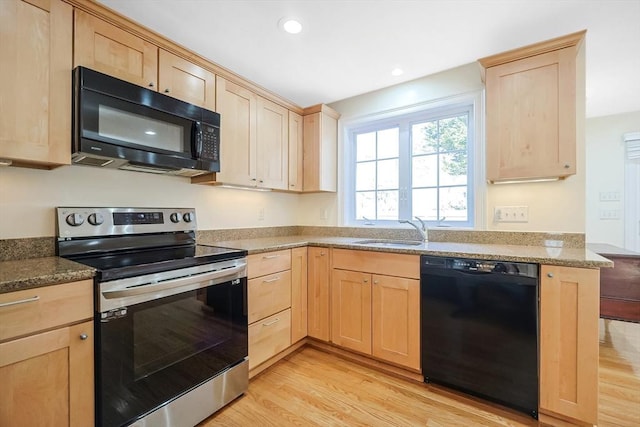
320,149
46,356
569,301
269,294
268,337
110,50
272,145
298,294
186,81
295,152
318,276
35,82
396,314
535,110
351,310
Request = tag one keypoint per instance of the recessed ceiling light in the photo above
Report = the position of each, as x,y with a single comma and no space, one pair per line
290,25
397,72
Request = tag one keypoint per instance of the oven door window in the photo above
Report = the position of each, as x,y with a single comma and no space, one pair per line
163,348
119,122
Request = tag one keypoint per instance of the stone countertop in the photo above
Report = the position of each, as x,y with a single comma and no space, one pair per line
30,273
571,257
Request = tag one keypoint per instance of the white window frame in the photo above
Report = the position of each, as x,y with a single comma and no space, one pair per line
431,111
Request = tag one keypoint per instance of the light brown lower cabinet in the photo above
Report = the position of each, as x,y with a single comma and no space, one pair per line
374,313
298,294
47,377
268,337
569,302
318,276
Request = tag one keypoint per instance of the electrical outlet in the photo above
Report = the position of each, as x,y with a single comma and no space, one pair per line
324,214
511,214
609,213
609,196
261,214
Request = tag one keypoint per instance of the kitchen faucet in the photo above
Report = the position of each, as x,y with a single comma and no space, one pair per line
422,228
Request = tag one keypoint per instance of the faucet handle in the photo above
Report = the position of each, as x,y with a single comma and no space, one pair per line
422,223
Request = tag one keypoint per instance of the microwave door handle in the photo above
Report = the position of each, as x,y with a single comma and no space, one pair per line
196,140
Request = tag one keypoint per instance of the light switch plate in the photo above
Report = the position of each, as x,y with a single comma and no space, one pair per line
511,214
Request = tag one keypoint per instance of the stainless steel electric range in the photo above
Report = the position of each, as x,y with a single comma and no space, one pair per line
171,315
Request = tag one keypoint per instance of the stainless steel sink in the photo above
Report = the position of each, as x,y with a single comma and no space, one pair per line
386,242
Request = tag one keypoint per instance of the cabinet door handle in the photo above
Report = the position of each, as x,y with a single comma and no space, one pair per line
549,274
567,166
375,282
270,256
322,253
366,280
275,279
166,90
84,336
150,84
276,320
22,301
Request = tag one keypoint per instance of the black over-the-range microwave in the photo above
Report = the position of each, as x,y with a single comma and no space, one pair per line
117,124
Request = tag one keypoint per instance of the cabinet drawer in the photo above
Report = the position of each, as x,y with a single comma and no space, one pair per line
32,310
386,263
268,337
268,263
269,294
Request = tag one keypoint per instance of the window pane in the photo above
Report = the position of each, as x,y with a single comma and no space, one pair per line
388,174
387,205
365,176
425,171
388,143
366,205
453,168
453,204
425,203
424,137
366,146
453,133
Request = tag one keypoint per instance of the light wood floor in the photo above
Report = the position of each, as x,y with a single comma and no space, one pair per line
311,387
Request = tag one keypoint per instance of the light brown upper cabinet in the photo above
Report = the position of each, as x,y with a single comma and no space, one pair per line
272,166
535,100
295,151
320,149
35,82
108,49
186,81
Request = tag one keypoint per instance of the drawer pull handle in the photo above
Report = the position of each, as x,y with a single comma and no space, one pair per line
549,275
276,320
270,256
22,301
275,279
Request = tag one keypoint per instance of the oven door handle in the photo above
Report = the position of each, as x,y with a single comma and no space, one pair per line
203,280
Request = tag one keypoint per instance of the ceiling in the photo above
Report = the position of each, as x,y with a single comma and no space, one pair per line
349,47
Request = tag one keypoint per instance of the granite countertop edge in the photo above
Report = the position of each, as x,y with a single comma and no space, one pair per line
30,273
570,257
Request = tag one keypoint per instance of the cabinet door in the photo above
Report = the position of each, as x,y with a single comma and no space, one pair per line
320,152
273,145
237,108
47,379
318,293
295,151
569,303
531,117
298,294
106,48
35,82
351,310
396,320
187,81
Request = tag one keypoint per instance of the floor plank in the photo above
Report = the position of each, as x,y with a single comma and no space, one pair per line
314,388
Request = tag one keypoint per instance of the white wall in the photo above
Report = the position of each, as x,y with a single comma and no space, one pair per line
28,198
605,173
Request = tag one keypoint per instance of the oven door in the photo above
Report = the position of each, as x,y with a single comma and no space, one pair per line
153,351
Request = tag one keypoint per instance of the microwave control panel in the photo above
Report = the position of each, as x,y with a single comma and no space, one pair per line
210,143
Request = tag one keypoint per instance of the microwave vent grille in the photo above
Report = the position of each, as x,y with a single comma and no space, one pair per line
92,161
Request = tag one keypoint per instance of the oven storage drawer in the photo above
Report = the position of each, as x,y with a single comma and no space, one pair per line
268,263
268,295
32,310
268,337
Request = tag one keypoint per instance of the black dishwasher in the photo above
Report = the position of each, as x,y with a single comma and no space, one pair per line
479,328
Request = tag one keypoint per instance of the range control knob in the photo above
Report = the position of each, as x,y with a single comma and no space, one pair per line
95,219
188,217
174,217
74,219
